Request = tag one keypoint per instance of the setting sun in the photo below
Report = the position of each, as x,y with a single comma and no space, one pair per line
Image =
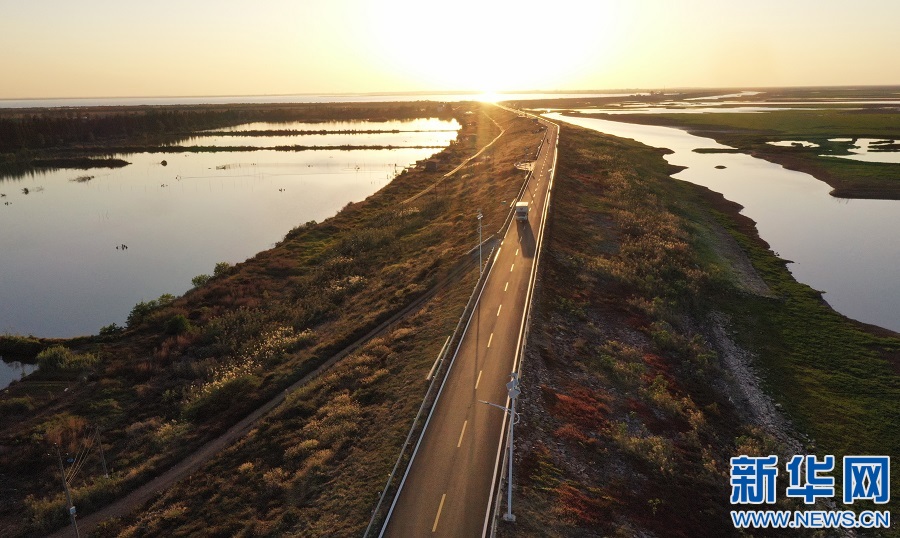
98,49
490,47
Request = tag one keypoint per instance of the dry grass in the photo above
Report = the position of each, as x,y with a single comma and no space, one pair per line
254,328
624,430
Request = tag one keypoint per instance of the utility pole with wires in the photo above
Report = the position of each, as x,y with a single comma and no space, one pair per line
480,263
102,456
69,506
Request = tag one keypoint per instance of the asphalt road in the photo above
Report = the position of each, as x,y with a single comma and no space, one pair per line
447,491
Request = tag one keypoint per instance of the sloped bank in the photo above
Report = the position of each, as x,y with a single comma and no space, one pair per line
186,369
654,347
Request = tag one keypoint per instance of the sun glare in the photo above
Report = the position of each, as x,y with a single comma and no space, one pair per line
489,47
489,97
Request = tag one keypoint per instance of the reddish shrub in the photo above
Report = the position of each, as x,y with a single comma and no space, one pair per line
573,433
581,408
580,508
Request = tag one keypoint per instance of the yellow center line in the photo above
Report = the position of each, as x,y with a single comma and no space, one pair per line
438,516
498,310
459,443
477,381
491,339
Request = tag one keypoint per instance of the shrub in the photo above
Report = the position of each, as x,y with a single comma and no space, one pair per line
110,329
19,346
62,358
222,268
221,398
144,308
15,406
178,324
200,280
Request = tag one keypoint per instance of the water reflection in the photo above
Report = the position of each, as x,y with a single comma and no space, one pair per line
13,371
418,124
864,151
793,143
846,248
63,275
401,139
302,98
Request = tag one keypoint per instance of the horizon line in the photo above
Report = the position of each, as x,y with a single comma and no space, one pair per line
450,92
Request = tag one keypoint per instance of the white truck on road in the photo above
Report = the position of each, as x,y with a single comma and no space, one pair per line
521,211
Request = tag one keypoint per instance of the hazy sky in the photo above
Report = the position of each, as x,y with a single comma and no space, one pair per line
103,48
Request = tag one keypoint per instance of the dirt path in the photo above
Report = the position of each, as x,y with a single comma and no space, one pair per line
458,168
196,460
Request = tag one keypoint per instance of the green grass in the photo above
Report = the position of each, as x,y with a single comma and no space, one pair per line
785,124
750,133
837,380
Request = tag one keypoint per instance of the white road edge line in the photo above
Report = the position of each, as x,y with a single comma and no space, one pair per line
500,452
412,458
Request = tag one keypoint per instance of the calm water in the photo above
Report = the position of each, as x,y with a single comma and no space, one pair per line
419,124
436,139
64,276
862,151
847,248
303,98
13,371
420,132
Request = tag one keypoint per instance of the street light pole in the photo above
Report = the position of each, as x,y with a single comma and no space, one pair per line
480,265
513,388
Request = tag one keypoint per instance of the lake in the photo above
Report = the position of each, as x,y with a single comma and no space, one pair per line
300,98
13,371
846,248
66,273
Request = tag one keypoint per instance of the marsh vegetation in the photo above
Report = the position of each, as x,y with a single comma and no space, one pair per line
185,368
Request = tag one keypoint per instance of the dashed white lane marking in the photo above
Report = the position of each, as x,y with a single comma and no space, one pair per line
506,286
438,516
498,310
459,443
512,267
491,339
477,381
